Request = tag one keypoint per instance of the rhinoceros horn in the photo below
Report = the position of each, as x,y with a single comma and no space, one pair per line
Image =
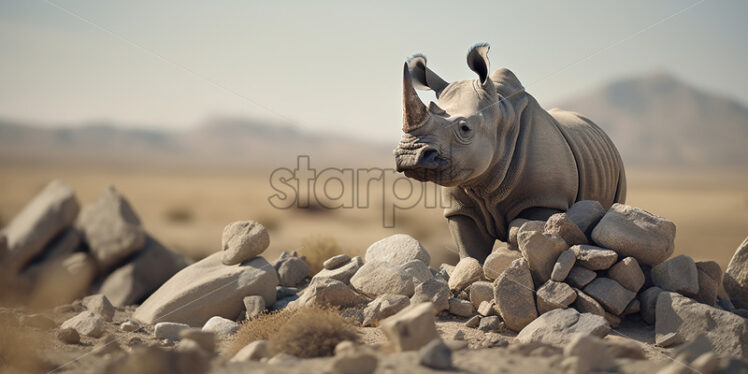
415,113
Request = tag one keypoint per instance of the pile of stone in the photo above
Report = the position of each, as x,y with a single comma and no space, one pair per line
54,252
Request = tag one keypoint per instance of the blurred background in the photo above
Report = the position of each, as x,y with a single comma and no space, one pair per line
186,108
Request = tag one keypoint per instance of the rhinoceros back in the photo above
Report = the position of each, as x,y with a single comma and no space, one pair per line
601,173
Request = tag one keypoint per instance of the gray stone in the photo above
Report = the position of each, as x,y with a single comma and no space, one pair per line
613,320
112,229
205,339
473,322
434,291
513,230
209,288
397,250
343,273
633,307
563,265
611,295
417,270
283,291
411,328
291,271
44,217
586,214
648,303
710,278
459,307
242,241
221,327
435,355
86,323
594,258
329,292
134,281
591,350
558,326
554,295
68,336
489,324
514,295
487,308
586,304
621,347
356,360
253,351
382,307
129,326
467,271
679,274
636,233
100,305
580,277
169,330
541,251
727,332
736,276
336,261
560,224
64,280
254,305
498,261
479,292
378,278
628,274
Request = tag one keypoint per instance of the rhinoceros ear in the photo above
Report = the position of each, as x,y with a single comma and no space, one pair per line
477,60
423,77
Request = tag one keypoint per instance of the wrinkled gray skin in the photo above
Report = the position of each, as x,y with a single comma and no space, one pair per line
498,154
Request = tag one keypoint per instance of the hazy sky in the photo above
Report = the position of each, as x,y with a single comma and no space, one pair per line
337,65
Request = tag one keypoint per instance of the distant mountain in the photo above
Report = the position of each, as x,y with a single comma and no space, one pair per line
659,120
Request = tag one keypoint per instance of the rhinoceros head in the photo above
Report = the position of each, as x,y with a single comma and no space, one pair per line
455,141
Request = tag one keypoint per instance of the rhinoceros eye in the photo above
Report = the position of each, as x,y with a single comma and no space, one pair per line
464,128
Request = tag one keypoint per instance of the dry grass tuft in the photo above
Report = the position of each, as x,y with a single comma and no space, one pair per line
318,248
307,332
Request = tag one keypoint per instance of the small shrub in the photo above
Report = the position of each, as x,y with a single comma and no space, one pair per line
179,214
316,249
261,327
312,332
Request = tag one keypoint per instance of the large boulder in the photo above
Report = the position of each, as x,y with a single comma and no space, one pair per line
636,233
559,326
727,332
111,229
735,279
378,278
209,288
514,295
134,281
397,249
45,216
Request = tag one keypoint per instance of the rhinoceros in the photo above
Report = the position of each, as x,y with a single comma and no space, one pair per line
498,154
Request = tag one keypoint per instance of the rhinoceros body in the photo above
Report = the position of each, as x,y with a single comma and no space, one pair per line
499,154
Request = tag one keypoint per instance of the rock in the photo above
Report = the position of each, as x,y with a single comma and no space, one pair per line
633,307
378,278
487,308
559,325
736,276
514,295
710,278
37,321
498,261
489,324
707,363
586,214
473,322
467,271
100,305
668,340
342,273
169,330
63,245
64,280
152,359
242,241
253,351
628,274
586,304
411,328
727,332
205,339
329,292
612,319
554,295
435,355
560,224
221,327
479,292
620,347
434,291
283,291
563,265
459,307
86,323
44,217
111,228
291,271
417,270
636,233
397,250
129,326
591,350
579,277
336,261
68,336
611,295
254,305
648,303
354,361
384,306
594,258
512,231
209,288
679,274
134,281
541,251
282,359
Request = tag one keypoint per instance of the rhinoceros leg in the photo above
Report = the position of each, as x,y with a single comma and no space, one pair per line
472,241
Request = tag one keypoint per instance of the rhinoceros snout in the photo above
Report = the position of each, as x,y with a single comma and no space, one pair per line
422,158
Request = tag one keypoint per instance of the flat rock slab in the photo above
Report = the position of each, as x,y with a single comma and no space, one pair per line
736,276
514,295
554,295
679,274
594,258
378,278
86,323
559,326
397,249
209,288
580,277
343,272
611,295
563,265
